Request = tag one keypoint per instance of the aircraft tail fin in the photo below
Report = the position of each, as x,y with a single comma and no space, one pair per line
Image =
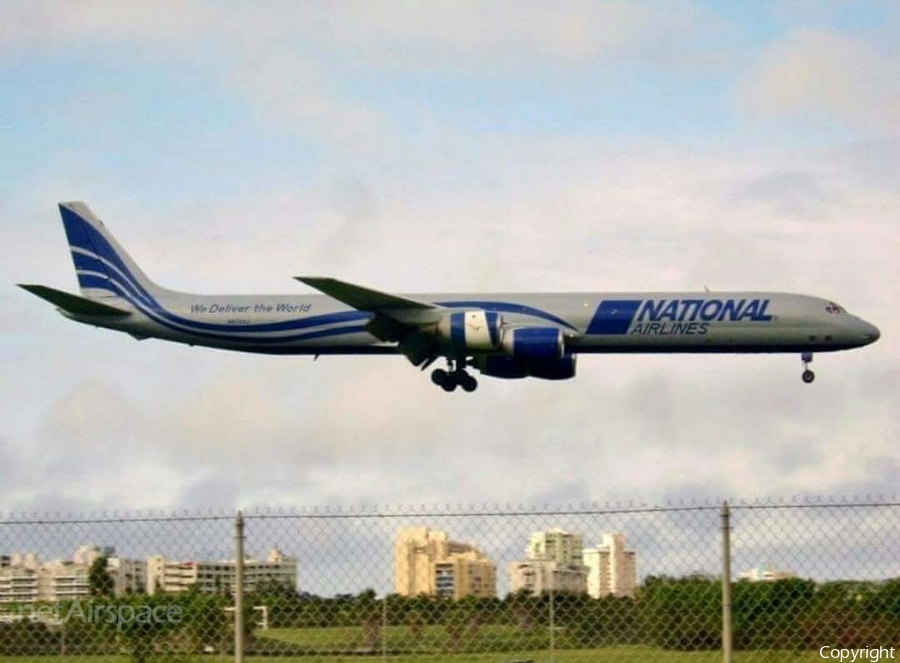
103,267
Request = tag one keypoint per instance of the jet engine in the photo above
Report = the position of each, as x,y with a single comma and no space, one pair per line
511,367
471,330
543,343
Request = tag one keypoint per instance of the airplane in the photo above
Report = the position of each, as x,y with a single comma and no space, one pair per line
509,336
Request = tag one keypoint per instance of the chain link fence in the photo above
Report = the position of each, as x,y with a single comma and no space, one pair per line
578,584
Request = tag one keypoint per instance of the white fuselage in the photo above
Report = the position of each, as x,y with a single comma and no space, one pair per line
591,322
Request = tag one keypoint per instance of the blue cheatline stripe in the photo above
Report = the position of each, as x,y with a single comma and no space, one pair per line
234,336
109,272
109,267
506,307
614,316
128,292
86,238
130,286
287,325
458,329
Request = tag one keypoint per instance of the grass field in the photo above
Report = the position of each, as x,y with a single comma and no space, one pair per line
507,643
399,638
603,655
491,644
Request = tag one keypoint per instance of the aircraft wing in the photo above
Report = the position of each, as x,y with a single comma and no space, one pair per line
396,318
364,299
74,303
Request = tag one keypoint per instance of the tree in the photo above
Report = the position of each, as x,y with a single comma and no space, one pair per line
416,625
461,622
99,581
367,610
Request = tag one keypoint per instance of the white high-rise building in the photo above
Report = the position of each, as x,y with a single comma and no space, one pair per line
612,569
555,545
553,562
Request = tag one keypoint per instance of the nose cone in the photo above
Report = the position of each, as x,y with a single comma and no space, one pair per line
869,331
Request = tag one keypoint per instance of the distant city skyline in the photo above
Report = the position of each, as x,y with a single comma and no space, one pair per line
353,552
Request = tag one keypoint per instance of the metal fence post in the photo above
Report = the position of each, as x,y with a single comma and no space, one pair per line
384,626
552,623
239,588
727,643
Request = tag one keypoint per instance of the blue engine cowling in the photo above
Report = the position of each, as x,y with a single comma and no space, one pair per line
513,368
543,343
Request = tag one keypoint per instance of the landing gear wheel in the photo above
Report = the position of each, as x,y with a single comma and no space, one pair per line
439,376
808,376
468,383
449,384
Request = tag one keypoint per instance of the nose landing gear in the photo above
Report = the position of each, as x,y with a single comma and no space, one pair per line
456,375
808,376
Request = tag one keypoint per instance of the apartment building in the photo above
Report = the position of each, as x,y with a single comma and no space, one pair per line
218,577
427,561
25,579
612,568
553,562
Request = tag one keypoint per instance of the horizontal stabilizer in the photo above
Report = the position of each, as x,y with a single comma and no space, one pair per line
74,303
361,298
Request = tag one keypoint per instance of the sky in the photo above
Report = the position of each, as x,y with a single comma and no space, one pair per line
447,146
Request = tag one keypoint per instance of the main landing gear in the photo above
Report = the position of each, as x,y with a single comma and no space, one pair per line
808,376
454,376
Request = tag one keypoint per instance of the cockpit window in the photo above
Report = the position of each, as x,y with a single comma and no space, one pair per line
834,309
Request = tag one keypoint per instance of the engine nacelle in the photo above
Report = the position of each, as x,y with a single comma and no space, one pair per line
542,343
471,330
511,368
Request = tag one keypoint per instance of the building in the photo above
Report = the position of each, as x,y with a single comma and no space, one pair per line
537,576
129,575
426,561
767,574
25,579
612,569
553,563
555,545
217,577
18,585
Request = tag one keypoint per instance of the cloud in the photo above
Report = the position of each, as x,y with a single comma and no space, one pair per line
298,92
406,34
509,34
820,73
304,68
792,195
53,24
